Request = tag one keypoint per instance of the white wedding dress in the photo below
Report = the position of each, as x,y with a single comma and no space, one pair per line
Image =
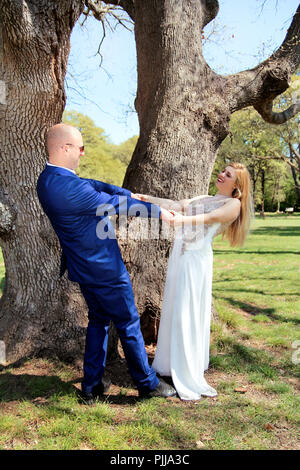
184,332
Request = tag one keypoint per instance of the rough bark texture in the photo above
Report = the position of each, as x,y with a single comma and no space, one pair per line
184,110
38,311
184,116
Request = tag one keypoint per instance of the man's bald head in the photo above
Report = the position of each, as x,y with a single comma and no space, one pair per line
60,134
63,145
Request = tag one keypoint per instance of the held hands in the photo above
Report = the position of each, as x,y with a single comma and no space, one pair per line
171,217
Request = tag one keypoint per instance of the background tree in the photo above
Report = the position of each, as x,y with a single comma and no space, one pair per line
266,149
289,133
258,145
125,150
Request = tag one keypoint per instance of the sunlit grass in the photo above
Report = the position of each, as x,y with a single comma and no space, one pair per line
256,294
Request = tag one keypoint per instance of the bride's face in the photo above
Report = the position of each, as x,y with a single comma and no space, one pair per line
226,180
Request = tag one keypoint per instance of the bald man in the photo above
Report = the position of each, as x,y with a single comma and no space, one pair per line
78,210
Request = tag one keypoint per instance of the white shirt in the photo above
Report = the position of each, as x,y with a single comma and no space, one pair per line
51,164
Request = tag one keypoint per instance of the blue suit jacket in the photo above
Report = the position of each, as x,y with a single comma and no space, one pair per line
78,210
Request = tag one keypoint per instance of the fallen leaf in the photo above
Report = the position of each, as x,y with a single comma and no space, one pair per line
269,427
199,444
240,389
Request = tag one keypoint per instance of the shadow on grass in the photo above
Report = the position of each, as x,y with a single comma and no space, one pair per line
18,386
254,291
235,356
29,387
254,278
256,310
257,252
291,231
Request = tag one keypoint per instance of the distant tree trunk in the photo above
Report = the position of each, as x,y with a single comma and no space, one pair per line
297,184
262,175
278,205
254,175
38,311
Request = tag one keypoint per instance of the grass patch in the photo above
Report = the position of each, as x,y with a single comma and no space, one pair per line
256,294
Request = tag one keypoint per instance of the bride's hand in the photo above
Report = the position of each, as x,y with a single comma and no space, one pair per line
166,215
171,217
177,219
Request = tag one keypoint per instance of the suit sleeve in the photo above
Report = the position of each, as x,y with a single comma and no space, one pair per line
107,188
83,199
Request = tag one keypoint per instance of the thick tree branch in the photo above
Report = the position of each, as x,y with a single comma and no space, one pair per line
19,16
265,109
127,5
259,86
100,10
294,153
277,157
211,9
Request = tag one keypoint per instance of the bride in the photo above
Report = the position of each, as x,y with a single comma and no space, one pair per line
184,333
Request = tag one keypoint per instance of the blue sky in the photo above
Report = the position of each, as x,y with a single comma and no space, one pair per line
245,35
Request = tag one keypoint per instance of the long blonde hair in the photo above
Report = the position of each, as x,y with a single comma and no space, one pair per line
237,232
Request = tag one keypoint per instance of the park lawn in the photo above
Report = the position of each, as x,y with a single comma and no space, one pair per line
253,367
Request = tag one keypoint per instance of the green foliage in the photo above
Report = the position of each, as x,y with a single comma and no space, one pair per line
124,151
261,146
102,160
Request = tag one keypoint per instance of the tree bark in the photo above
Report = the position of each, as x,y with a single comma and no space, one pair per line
38,311
184,117
184,110
262,175
297,184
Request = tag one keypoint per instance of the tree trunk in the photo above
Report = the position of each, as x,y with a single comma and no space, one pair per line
38,311
297,184
184,116
262,212
184,110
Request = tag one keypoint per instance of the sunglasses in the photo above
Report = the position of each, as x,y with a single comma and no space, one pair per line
80,148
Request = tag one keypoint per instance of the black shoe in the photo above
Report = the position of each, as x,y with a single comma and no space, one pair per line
162,390
97,392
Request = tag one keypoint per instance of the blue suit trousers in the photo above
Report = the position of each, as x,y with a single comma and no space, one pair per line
114,302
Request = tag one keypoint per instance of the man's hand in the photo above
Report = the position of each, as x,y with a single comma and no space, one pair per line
140,197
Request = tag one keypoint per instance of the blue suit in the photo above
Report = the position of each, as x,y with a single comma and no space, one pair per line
78,210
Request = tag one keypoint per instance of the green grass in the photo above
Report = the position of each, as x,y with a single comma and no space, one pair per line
256,293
